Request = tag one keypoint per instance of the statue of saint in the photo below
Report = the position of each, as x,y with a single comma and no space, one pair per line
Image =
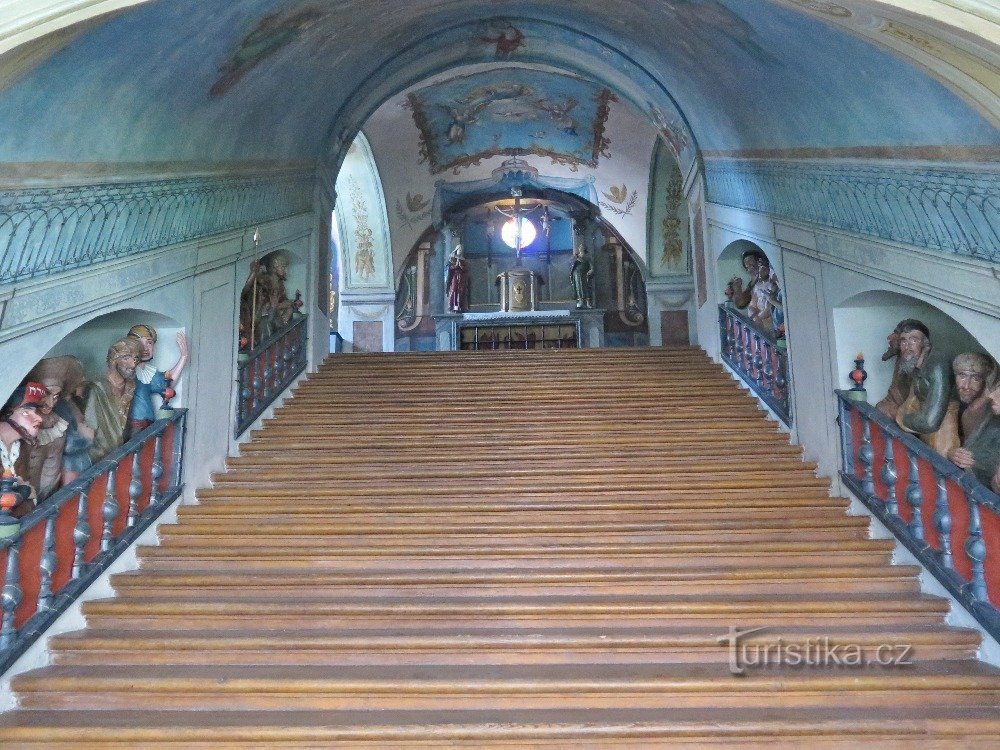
110,402
457,281
264,305
582,274
765,297
734,289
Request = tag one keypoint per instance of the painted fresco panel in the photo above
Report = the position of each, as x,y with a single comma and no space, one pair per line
668,247
515,112
209,79
366,252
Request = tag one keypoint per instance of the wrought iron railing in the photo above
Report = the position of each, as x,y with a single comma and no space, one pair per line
46,230
952,208
71,538
760,359
942,513
268,370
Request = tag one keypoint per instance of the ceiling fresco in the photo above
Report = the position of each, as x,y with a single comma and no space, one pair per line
270,79
516,112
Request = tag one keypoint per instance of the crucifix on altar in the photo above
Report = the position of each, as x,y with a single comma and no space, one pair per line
519,286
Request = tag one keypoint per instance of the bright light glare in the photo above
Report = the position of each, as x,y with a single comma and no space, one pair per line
509,230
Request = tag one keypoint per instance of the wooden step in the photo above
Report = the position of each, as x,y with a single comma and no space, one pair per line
190,610
513,687
251,645
407,582
895,728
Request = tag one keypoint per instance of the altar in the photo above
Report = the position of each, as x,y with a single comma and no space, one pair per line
529,329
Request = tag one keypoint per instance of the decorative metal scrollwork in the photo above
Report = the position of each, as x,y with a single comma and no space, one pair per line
47,230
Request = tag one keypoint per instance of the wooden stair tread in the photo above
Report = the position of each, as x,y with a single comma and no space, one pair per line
925,676
208,575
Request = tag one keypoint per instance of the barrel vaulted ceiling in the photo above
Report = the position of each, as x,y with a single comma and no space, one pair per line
217,80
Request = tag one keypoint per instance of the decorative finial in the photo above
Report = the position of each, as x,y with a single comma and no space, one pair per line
858,377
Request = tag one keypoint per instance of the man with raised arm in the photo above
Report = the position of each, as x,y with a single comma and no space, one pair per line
149,380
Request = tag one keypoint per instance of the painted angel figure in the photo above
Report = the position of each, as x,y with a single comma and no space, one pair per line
560,113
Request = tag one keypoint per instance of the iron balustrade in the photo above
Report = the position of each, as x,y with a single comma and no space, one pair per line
50,229
71,538
953,209
269,370
942,513
758,358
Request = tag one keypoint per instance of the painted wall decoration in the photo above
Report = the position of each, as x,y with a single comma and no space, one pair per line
618,200
48,230
467,119
417,210
743,73
273,32
364,238
738,75
504,35
673,131
667,217
362,223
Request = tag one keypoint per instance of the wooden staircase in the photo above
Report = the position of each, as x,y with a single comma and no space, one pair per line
511,550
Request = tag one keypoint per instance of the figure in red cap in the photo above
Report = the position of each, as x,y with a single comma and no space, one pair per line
19,422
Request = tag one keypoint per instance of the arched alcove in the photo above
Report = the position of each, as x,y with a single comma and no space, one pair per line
862,323
730,264
65,445
89,343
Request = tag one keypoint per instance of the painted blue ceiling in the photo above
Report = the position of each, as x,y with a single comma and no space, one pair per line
220,80
513,111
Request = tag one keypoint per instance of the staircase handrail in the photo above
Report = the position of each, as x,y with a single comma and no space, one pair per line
57,551
922,513
758,358
269,368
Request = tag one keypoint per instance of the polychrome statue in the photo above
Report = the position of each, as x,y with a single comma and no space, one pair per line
45,456
110,402
19,425
930,409
977,382
582,274
151,381
264,304
765,297
457,281
79,436
902,374
734,289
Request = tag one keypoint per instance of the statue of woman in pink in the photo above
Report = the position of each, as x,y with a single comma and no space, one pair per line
457,281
